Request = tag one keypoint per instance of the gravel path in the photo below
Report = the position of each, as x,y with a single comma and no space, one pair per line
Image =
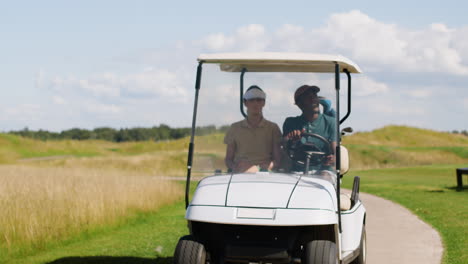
396,236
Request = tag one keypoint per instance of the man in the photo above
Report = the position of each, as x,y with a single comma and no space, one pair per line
311,121
253,144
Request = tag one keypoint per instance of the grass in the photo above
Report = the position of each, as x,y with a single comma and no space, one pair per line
51,191
55,190
40,206
144,238
391,146
403,136
378,156
163,163
429,192
15,148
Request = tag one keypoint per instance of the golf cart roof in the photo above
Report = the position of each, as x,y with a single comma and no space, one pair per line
279,62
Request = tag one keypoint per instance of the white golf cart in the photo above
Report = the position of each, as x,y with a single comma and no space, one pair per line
283,216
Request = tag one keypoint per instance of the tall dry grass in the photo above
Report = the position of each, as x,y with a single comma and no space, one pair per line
38,205
164,163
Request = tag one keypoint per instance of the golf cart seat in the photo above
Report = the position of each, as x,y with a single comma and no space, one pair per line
345,202
345,199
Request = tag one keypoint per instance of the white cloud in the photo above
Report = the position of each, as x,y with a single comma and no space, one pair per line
102,108
419,93
149,82
365,86
218,42
40,78
252,38
23,112
366,38
58,100
157,82
397,109
292,38
388,45
460,42
106,84
376,45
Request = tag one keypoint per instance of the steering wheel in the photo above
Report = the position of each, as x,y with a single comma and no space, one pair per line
300,149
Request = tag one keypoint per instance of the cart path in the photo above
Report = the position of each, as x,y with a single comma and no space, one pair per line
394,234
397,236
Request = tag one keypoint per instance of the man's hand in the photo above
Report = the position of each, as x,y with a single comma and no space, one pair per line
329,160
294,135
266,166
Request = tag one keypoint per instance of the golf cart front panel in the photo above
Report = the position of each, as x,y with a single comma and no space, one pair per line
264,199
260,216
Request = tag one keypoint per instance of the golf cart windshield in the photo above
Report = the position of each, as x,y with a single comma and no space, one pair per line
221,107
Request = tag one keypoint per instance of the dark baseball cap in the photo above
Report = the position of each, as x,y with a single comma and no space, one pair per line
305,89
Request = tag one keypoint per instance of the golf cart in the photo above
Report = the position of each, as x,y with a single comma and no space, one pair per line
276,216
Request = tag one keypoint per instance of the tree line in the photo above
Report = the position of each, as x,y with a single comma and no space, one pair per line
463,132
155,133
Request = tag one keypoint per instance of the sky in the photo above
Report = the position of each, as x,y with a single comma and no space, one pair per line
119,64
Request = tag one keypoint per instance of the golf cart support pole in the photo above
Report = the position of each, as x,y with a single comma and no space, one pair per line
192,136
349,97
338,142
242,92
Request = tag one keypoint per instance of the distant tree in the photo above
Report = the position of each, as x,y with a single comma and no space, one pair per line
76,133
164,132
105,133
139,134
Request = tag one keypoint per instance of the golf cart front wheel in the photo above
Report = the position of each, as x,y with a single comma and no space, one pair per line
320,251
189,251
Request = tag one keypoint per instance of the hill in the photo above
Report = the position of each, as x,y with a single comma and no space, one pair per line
400,146
390,146
404,136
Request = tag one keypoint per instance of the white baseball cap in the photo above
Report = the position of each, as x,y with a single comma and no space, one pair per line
254,92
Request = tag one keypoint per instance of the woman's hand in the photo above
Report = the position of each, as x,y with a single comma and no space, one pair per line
245,166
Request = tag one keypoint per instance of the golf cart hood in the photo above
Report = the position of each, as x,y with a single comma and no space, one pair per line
265,191
264,199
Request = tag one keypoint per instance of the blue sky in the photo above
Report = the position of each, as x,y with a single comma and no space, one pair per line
131,63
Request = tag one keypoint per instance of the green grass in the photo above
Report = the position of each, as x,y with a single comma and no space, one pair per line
404,136
430,193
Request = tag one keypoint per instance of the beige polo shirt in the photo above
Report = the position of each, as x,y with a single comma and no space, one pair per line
254,144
